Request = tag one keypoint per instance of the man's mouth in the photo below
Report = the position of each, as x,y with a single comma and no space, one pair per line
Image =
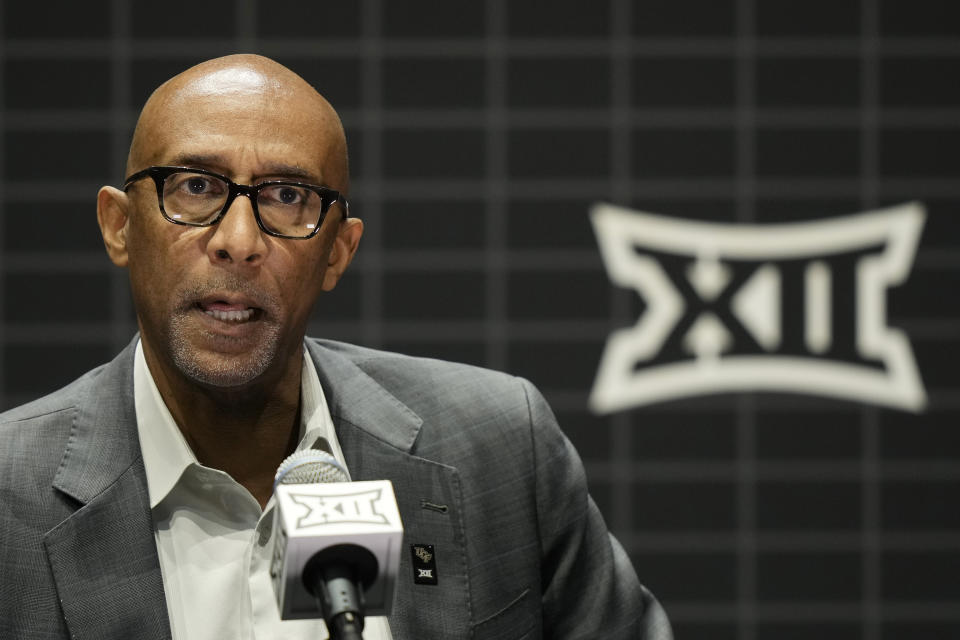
230,316
228,311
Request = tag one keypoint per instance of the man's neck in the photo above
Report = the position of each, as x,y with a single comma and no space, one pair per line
246,443
244,432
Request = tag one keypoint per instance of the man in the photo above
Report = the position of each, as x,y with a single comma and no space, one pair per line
136,501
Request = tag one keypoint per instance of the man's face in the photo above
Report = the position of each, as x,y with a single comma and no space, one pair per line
227,306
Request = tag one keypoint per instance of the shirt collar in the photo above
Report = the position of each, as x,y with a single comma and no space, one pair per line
316,425
166,454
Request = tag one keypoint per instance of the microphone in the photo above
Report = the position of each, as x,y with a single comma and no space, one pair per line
336,544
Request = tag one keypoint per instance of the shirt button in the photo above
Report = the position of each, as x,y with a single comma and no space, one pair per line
265,530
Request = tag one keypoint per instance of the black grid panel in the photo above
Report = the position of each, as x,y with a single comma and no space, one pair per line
480,133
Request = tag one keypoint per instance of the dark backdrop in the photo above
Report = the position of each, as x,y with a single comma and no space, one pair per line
480,133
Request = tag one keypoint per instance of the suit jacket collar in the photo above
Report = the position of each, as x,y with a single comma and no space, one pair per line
103,557
103,439
357,400
378,433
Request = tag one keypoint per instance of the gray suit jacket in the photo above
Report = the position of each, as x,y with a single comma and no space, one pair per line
521,549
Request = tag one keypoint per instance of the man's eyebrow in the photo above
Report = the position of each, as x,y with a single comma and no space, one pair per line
219,163
290,171
203,161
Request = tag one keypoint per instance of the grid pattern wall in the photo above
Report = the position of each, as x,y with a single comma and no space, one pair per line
480,133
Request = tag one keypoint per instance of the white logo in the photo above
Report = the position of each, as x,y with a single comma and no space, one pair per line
339,509
425,573
797,307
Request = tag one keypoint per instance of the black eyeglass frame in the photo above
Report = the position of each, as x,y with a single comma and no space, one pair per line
328,196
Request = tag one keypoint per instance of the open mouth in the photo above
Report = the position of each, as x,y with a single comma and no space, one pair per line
235,311
230,316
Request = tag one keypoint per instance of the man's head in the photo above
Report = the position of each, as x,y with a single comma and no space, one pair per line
227,305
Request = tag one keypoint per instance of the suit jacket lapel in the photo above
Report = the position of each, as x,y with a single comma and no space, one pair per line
103,557
378,434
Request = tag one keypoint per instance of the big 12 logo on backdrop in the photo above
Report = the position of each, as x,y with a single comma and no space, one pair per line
796,307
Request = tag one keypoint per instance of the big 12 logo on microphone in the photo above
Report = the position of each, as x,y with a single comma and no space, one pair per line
346,508
795,307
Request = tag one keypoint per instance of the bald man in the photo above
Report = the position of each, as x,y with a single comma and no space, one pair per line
137,500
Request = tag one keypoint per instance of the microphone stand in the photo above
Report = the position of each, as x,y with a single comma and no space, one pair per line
345,628
337,577
340,602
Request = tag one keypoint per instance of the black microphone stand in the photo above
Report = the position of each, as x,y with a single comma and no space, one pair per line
337,577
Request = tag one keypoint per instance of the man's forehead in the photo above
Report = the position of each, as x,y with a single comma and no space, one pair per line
232,74
241,105
232,80
237,92
238,165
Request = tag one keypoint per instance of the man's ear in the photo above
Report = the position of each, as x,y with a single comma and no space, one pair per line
112,206
341,253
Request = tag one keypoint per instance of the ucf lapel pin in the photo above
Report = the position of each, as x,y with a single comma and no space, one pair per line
424,564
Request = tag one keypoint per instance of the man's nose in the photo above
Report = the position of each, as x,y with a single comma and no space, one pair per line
237,238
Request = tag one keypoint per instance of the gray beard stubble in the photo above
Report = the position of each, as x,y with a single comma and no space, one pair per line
221,372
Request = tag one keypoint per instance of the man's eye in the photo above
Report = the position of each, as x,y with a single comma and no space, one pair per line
283,195
288,196
197,185
194,185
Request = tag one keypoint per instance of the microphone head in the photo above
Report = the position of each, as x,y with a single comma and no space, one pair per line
310,466
318,508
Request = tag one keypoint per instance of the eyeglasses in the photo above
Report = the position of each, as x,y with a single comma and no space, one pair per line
200,198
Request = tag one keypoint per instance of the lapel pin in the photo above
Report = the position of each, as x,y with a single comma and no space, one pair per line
424,564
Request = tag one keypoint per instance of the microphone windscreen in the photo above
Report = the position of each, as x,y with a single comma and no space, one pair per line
310,466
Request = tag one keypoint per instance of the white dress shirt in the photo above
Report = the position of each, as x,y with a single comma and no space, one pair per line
213,539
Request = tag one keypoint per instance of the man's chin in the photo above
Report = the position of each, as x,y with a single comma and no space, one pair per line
224,370
224,374
219,356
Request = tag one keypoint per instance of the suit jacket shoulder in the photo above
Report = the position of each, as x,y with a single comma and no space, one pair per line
77,557
33,438
467,406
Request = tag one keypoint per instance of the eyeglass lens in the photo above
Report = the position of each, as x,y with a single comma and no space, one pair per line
197,198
